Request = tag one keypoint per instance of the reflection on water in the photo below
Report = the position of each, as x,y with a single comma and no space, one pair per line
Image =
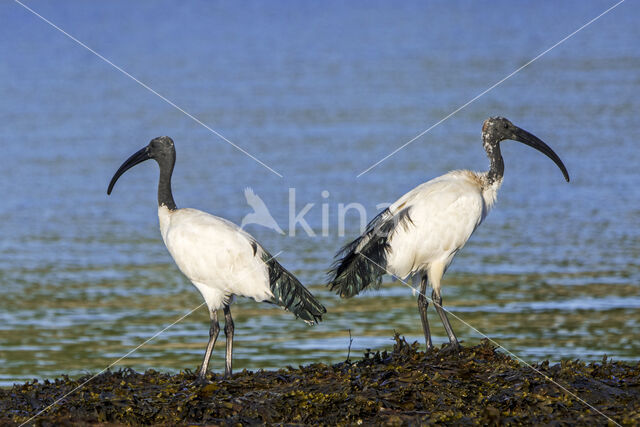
319,93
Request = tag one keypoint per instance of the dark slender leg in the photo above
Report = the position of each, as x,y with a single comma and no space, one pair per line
423,303
437,301
214,330
228,331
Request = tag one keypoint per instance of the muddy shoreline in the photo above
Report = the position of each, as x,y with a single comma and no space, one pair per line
402,386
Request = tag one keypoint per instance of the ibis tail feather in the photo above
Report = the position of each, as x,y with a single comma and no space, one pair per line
363,262
290,294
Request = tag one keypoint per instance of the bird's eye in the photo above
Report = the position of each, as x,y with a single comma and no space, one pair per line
505,126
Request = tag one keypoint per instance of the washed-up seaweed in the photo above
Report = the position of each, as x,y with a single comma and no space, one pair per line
477,385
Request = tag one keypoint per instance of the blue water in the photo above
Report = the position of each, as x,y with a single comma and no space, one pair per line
319,92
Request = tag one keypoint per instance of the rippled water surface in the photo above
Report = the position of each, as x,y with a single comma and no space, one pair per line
318,92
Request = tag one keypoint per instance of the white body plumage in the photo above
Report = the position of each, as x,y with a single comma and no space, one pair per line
219,258
444,212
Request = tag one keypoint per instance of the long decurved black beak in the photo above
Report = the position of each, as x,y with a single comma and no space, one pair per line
138,157
533,141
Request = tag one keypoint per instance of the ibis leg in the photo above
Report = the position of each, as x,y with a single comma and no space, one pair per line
228,331
423,303
214,330
437,301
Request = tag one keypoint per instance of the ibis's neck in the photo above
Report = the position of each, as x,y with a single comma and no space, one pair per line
496,170
165,197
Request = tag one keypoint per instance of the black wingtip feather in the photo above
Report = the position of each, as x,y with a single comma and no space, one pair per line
290,294
357,269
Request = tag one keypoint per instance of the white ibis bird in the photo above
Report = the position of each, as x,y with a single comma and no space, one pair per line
219,258
421,232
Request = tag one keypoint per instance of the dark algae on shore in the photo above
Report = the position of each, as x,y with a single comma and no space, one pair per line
479,385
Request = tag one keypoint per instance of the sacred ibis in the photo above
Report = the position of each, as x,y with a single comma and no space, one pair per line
219,258
421,232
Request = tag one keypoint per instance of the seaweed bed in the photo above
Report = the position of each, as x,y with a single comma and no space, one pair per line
478,385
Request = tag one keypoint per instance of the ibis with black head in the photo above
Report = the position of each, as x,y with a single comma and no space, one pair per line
218,257
419,235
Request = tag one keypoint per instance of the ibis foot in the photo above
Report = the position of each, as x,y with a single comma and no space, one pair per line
450,349
200,381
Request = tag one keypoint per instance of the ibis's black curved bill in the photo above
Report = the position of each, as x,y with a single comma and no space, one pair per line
525,137
138,157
